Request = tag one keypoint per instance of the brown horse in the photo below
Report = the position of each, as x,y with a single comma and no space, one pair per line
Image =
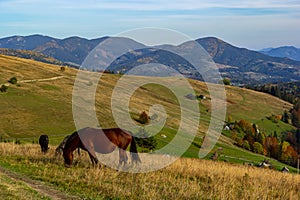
102,141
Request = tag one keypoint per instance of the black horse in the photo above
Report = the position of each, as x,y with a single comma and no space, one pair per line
44,141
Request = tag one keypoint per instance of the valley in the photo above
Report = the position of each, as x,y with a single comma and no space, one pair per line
41,103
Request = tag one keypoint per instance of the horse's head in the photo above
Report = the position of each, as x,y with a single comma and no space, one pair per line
68,161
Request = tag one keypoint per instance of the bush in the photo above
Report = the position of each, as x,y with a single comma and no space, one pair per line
145,141
13,80
3,88
273,118
258,148
144,118
62,68
246,145
226,81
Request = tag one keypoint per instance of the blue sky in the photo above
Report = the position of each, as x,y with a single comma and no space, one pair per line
252,24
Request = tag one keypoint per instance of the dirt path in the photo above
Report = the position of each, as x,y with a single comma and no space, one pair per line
41,80
37,80
38,186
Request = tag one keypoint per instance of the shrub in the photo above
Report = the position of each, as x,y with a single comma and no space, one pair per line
226,81
246,145
145,141
258,148
62,68
144,118
3,88
13,80
273,118
244,126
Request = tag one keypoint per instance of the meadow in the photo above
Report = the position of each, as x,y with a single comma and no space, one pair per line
29,109
186,178
32,108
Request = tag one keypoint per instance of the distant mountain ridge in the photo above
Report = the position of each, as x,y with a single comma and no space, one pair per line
25,42
247,66
72,49
290,52
241,65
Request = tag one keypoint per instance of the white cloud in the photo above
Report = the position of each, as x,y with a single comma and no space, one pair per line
152,5
181,5
245,23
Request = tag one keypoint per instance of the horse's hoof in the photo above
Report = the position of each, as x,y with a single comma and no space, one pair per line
68,166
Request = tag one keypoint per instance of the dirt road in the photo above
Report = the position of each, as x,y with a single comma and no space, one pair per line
38,186
37,80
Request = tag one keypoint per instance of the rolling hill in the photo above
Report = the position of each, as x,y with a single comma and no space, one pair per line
30,55
290,52
72,49
44,105
25,43
246,66
241,65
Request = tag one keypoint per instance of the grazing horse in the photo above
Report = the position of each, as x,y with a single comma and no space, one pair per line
44,141
59,149
102,141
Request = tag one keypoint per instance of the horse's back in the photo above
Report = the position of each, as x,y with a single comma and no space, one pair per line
44,141
104,140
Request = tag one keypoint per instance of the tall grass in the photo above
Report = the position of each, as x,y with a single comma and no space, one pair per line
184,179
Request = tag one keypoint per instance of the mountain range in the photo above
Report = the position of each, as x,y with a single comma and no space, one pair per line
241,65
290,52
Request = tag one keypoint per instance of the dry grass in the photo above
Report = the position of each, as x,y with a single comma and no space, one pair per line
46,107
184,179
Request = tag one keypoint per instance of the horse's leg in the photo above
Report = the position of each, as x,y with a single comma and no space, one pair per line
93,158
78,150
122,157
91,151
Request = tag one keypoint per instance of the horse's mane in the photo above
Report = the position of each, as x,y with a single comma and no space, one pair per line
70,139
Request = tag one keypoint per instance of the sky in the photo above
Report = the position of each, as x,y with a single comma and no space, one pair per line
253,24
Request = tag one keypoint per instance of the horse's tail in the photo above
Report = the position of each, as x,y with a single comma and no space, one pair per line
133,151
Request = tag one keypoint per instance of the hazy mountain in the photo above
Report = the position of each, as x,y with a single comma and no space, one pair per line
72,49
283,52
25,42
239,64
228,54
246,66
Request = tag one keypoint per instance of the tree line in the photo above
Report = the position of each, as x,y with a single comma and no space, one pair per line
289,92
284,147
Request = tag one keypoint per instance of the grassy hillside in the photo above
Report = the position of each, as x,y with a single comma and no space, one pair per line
29,109
184,179
29,55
